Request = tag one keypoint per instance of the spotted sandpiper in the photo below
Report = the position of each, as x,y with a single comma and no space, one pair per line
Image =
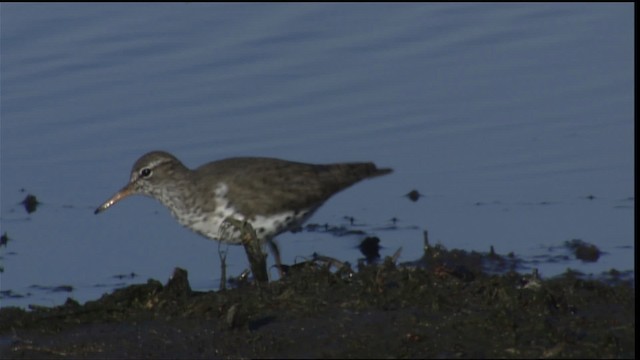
272,195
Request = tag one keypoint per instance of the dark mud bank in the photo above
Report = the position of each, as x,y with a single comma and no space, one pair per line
378,311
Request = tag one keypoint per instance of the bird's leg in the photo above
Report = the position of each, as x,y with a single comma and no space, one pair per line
257,258
276,255
223,266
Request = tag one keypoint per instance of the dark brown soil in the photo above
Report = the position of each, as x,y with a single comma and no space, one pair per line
447,307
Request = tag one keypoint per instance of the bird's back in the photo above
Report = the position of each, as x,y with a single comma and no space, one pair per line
267,185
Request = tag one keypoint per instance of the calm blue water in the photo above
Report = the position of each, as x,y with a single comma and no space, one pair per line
506,116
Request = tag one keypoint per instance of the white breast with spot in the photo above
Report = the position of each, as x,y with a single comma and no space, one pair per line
209,225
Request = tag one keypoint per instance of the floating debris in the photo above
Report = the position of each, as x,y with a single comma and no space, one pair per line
583,250
125,276
30,203
334,230
370,248
414,195
4,239
10,294
317,261
62,288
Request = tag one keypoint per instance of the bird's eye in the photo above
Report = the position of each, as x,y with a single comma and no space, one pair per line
146,172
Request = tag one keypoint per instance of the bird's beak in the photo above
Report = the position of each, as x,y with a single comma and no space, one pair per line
123,193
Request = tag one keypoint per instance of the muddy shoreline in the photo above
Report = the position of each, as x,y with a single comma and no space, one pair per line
448,308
